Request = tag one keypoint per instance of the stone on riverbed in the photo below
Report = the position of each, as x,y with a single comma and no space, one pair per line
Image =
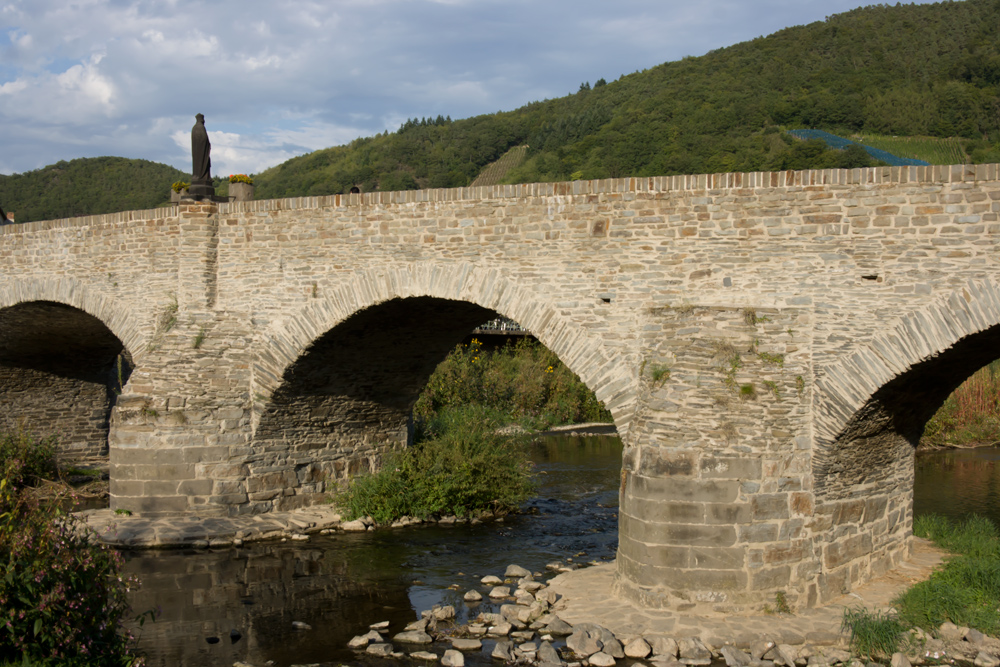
601,659
667,647
424,655
501,629
583,643
300,625
984,659
453,658
787,653
516,572
473,596
734,657
638,648
611,646
443,613
499,592
381,625
382,650
419,625
547,654
413,637
466,644
491,580
558,627
900,660
355,526
361,641
693,652
503,650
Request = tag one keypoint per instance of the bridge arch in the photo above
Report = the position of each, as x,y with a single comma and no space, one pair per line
872,404
869,412
606,372
343,373
70,292
62,365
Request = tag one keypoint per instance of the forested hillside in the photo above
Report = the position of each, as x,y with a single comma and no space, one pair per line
930,70
87,186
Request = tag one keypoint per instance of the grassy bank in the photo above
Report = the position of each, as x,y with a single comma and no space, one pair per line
470,454
970,417
965,590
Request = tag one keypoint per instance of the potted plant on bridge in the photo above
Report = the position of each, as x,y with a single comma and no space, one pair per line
240,187
178,190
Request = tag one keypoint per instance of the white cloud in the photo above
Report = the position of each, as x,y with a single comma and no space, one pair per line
276,78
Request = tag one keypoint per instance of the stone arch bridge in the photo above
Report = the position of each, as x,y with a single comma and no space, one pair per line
811,323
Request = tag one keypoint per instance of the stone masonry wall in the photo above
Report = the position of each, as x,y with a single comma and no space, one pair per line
736,325
74,411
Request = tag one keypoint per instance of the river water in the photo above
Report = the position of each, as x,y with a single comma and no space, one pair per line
340,584
244,600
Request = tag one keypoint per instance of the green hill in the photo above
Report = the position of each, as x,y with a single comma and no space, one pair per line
87,186
914,70
930,71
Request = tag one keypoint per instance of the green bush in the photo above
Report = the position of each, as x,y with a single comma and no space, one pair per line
466,466
24,460
62,598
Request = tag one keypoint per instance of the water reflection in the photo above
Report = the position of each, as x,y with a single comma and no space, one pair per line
958,482
340,584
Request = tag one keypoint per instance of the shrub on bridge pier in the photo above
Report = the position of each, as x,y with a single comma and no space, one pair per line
466,465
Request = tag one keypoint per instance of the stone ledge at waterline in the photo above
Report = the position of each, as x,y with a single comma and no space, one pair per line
184,531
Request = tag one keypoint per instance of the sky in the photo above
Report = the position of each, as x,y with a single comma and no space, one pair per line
276,79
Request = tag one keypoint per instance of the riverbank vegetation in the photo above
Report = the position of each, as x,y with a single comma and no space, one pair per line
964,591
970,417
470,450
62,597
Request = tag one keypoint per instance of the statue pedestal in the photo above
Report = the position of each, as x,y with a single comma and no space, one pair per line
200,189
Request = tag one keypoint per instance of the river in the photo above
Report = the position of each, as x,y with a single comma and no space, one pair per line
339,584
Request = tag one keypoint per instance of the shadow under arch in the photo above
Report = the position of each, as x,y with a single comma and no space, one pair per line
335,385
109,311
61,370
605,371
871,407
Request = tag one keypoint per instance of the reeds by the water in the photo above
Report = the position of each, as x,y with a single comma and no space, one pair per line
971,415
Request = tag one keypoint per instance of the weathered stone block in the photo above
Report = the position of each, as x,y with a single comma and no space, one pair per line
846,550
770,578
766,507
730,467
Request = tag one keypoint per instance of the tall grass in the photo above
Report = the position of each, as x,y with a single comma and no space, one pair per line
966,591
874,634
971,415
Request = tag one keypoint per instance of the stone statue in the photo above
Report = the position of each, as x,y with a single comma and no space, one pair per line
201,149
201,170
